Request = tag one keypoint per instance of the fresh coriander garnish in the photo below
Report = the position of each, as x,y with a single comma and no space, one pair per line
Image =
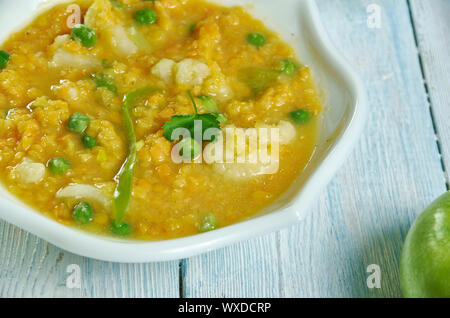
187,122
208,103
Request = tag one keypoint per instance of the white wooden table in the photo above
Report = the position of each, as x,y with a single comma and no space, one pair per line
362,218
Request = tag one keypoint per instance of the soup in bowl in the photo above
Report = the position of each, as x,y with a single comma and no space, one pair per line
152,120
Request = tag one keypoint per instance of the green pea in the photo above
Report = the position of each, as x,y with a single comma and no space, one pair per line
208,103
123,229
82,213
256,39
4,58
146,16
189,148
59,165
207,223
89,141
84,34
288,67
78,123
300,116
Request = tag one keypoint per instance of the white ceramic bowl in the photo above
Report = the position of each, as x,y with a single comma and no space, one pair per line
297,21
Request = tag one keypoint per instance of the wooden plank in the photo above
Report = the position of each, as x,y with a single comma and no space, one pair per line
432,29
248,269
31,267
363,217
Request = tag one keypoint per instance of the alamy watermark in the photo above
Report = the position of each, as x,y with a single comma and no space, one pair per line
75,15
374,278
74,278
374,16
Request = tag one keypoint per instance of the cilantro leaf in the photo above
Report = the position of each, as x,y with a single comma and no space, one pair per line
178,121
208,120
187,122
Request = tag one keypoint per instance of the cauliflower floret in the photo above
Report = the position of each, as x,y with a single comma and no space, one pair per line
218,87
187,72
65,59
164,70
121,42
60,41
258,155
101,18
247,158
286,129
29,172
83,191
191,72
287,132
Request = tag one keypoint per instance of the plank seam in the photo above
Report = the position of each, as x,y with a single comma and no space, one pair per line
427,91
280,267
181,265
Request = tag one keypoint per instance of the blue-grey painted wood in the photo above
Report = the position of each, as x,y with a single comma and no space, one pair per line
248,269
31,267
431,21
366,211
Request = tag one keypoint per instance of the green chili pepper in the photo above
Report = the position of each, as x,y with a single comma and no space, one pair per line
124,178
